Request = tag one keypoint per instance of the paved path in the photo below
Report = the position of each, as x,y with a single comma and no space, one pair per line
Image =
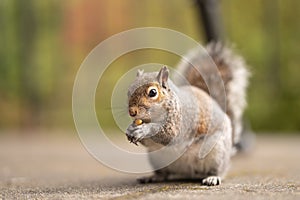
56,167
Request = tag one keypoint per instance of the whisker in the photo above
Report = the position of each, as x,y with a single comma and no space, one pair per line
119,112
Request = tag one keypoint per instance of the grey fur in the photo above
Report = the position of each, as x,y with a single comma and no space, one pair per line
235,80
177,117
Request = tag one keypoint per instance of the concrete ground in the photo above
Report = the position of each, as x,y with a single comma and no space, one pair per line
58,167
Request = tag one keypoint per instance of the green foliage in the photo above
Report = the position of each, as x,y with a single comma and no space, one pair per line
44,42
266,33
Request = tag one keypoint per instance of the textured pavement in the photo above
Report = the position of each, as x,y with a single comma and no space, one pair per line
40,166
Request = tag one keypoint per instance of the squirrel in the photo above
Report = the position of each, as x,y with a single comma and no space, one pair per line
165,112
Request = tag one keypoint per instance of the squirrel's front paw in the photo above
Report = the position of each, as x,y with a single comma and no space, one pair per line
134,133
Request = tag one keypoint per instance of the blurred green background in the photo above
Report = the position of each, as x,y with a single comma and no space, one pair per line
43,43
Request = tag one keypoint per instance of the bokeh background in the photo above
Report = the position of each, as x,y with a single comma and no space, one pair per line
43,43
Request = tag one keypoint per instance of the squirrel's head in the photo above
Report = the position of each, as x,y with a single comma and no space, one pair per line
148,94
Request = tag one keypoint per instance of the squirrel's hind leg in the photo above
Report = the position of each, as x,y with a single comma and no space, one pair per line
157,177
152,179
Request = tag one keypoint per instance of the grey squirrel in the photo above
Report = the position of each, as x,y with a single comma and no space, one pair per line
165,112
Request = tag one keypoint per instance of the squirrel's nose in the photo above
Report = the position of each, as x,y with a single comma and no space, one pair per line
133,111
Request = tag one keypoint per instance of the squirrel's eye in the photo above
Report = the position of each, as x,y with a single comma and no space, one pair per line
152,93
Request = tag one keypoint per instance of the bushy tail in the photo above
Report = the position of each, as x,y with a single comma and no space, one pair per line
234,73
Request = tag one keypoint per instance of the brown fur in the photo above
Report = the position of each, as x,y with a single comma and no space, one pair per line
205,110
233,72
140,96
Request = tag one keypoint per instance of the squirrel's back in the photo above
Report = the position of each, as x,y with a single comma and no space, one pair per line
197,68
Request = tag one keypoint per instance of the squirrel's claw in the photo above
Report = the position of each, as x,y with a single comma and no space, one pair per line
132,139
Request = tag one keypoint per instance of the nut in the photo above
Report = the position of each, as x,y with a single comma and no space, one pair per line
138,122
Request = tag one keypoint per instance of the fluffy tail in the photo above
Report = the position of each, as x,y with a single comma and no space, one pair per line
234,73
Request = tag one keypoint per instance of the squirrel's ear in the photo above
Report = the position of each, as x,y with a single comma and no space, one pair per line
139,72
163,76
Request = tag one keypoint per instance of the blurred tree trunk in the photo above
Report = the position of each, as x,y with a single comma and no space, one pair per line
210,15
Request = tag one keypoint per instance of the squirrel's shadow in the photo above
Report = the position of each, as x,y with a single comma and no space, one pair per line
142,181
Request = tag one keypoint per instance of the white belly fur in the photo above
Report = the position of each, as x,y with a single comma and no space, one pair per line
189,165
